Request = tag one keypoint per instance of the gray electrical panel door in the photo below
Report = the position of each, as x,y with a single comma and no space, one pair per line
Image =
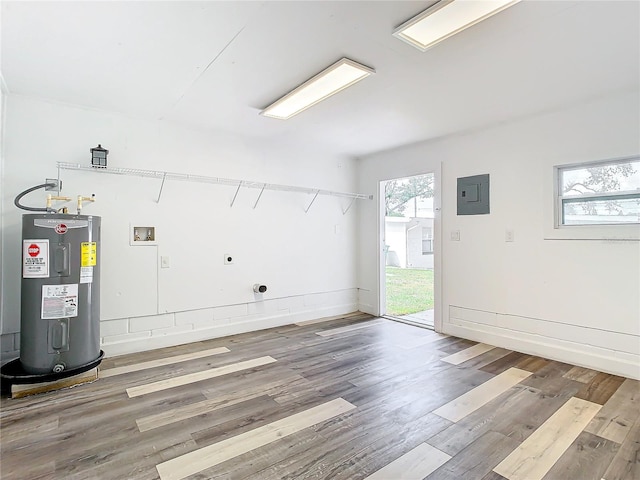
473,195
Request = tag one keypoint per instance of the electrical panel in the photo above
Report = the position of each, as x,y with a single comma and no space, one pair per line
473,195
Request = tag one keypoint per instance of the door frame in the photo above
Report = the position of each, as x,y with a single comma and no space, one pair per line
437,245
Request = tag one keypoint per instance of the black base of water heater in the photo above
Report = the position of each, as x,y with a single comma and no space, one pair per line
12,373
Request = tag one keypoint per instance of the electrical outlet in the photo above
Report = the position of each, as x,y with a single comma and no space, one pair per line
228,259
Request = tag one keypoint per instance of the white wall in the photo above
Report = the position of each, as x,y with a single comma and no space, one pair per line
403,238
415,257
6,342
396,241
308,261
573,300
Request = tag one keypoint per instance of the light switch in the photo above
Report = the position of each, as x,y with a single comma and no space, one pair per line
455,235
165,262
509,235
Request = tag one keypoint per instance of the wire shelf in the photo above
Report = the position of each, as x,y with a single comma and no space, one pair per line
185,177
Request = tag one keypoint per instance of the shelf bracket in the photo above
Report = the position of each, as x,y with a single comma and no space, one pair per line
259,195
344,212
164,177
236,194
314,199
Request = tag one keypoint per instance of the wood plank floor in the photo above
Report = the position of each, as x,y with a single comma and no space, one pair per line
351,398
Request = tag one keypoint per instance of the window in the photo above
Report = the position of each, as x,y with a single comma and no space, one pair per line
427,241
603,193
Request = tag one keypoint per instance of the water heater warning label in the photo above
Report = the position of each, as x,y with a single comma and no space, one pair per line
88,254
35,258
59,301
86,274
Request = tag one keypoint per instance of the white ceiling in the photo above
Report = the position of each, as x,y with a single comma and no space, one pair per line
215,65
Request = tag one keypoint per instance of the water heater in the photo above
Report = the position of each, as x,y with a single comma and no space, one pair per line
60,315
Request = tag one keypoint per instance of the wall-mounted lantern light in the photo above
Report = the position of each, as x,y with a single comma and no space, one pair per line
99,157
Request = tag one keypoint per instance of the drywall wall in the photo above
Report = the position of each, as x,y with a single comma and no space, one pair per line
307,260
6,344
572,300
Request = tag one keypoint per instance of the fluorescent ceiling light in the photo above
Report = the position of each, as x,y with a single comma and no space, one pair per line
446,18
330,81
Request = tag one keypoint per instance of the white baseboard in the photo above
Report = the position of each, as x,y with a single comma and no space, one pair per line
232,328
617,363
370,309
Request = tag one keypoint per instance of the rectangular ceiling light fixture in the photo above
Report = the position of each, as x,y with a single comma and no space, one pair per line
445,19
330,81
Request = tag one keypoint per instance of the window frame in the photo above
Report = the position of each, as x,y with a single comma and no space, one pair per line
561,200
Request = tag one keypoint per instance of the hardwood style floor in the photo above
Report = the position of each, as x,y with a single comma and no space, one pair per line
351,398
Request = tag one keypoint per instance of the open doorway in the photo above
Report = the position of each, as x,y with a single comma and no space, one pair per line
409,244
